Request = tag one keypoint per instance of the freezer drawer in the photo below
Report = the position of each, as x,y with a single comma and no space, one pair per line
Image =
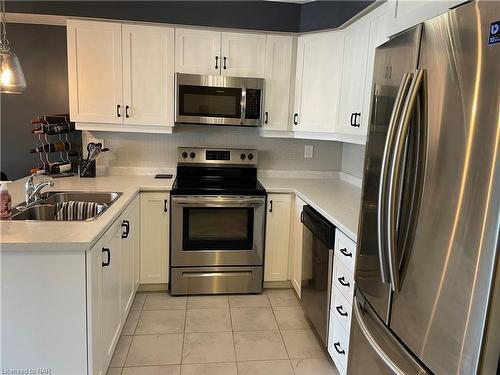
377,351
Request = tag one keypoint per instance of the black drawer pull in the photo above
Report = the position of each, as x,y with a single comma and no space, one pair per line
266,117
165,205
118,110
108,262
126,228
343,282
126,111
271,205
345,252
224,60
339,309
216,62
295,118
337,346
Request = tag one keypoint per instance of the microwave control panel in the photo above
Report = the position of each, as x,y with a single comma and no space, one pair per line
252,111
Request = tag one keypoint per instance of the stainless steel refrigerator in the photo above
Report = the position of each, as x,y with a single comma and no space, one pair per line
427,277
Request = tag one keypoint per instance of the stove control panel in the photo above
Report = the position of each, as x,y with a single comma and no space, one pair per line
190,155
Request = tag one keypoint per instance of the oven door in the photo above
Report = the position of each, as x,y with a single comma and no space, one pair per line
217,231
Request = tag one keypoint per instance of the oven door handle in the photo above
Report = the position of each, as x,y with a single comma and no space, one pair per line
218,202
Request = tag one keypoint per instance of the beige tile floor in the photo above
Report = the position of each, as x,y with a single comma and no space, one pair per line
265,334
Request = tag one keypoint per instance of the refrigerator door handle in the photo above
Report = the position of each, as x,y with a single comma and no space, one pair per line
396,166
384,175
371,340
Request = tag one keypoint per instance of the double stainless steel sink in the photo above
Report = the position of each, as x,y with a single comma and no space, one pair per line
44,209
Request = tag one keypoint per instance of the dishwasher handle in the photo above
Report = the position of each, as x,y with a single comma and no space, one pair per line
319,226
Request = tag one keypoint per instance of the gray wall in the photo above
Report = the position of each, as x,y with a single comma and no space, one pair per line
255,15
42,52
353,157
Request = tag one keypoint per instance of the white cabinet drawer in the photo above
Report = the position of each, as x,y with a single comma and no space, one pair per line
342,279
341,308
338,344
345,250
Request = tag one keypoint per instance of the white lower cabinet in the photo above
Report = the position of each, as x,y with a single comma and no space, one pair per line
110,287
277,237
296,246
154,237
130,234
111,292
342,292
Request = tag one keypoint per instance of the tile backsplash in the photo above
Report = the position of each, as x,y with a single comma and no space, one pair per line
159,151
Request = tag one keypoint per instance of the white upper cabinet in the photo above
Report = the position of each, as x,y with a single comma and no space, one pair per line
197,51
317,84
278,75
351,114
121,77
95,71
148,79
214,52
243,55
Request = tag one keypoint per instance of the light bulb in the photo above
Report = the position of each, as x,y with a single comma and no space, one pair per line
11,74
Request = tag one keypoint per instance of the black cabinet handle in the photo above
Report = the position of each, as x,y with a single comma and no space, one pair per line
224,61
108,262
345,252
271,205
165,205
118,110
295,118
126,111
266,117
337,346
126,227
343,282
354,119
339,309
216,62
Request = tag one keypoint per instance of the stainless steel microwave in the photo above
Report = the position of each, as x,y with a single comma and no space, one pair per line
218,100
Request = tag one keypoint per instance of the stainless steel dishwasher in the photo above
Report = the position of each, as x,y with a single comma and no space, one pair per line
317,262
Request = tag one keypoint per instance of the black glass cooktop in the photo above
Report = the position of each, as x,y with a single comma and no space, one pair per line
217,181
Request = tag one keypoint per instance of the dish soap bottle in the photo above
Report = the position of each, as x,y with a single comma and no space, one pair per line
5,202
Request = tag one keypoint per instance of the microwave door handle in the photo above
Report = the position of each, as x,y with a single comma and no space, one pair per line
243,105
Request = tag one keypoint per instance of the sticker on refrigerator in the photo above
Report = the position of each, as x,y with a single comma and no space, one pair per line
494,33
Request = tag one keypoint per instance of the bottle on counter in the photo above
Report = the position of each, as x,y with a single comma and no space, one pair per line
52,147
5,202
58,168
64,127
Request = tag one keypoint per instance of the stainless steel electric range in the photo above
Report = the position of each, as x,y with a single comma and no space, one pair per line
217,223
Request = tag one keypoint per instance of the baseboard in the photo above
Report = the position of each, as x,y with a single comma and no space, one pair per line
277,285
152,287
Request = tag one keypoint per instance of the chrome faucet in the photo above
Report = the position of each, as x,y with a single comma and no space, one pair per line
32,191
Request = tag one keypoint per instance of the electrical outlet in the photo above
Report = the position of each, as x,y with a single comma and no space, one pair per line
308,152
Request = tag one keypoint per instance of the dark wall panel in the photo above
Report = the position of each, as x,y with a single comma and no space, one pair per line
42,52
320,15
254,15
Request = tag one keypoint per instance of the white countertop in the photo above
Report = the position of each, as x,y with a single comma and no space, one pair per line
335,199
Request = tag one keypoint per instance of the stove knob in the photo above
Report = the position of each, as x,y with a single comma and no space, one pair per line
250,156
184,155
192,155
242,156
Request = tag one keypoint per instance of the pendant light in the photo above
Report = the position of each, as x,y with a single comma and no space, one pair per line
12,79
